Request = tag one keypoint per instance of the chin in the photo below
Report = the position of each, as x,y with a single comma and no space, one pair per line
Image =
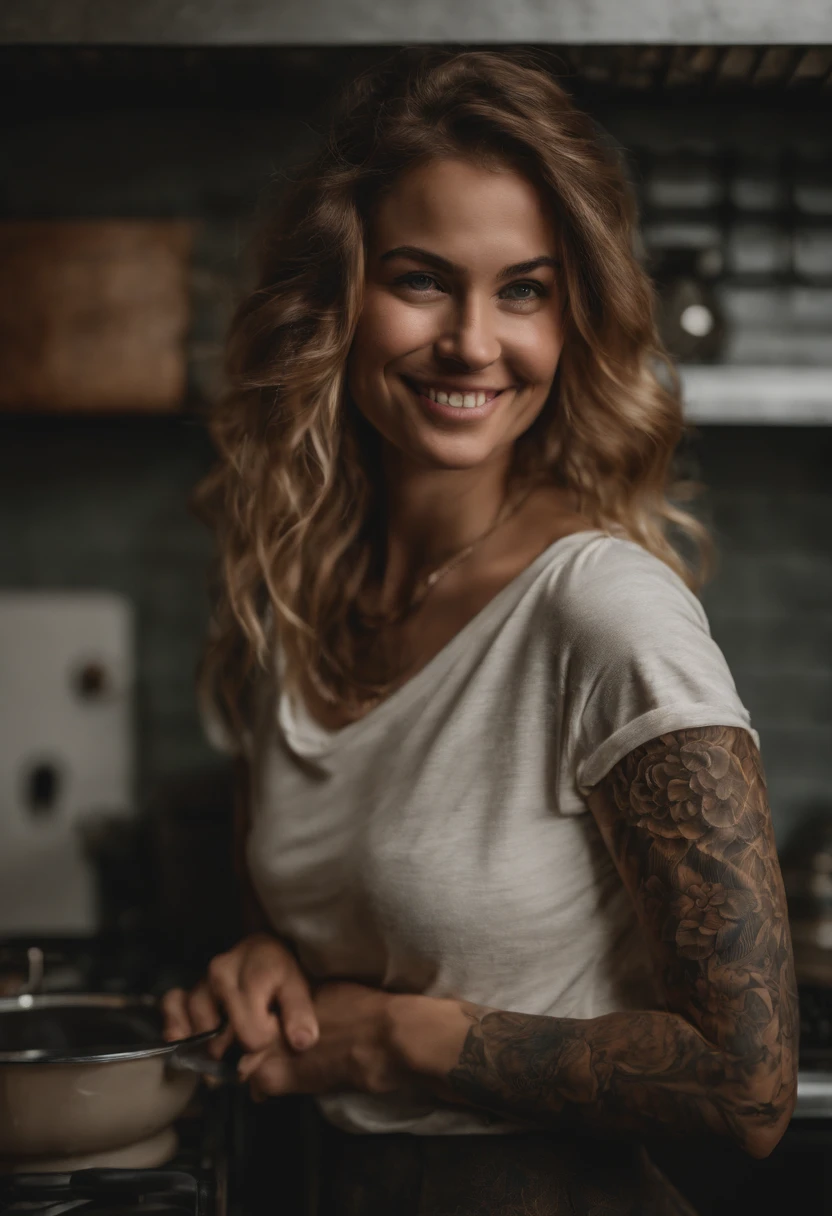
457,455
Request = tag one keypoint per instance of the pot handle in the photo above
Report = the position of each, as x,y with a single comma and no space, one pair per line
196,1060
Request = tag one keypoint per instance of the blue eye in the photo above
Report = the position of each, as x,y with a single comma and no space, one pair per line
420,281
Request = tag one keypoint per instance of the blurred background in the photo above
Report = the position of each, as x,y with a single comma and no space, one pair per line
136,152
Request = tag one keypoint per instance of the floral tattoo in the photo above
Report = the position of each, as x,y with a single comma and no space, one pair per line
687,821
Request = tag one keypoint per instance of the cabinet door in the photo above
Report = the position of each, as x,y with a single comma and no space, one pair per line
93,314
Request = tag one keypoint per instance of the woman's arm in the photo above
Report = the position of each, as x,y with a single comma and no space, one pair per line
687,821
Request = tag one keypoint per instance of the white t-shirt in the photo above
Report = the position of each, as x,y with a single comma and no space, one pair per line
442,843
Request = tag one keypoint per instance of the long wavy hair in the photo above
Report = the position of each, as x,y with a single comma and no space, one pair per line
295,498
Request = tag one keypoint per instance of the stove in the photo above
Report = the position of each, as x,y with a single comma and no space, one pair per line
108,1191
195,1181
233,1157
208,1140
202,1179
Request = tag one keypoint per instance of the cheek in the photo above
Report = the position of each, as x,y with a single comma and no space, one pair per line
387,330
538,349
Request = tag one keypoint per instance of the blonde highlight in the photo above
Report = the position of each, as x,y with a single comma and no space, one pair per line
294,498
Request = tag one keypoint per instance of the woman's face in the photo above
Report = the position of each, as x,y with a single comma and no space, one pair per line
460,333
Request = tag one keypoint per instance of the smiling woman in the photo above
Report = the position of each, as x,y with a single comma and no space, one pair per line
473,327
419,150
503,812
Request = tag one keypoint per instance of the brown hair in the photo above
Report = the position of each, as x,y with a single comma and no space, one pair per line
291,498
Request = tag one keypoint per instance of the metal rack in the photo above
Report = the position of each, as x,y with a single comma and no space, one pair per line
759,223
725,395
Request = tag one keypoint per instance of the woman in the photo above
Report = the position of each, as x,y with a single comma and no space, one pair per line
507,824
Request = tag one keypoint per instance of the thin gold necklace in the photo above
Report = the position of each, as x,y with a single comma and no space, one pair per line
421,591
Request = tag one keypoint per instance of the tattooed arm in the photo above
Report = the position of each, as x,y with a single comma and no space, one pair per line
686,819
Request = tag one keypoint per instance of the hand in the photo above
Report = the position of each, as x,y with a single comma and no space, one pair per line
356,1048
245,983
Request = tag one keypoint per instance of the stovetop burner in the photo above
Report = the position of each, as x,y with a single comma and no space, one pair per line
110,1191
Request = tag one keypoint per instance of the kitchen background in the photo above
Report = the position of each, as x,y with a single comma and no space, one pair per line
740,174
731,153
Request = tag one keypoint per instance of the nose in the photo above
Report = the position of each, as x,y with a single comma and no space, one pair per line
469,335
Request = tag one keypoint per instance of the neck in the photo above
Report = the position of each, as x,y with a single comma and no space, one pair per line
433,513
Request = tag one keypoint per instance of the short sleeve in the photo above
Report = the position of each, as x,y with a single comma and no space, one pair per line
641,662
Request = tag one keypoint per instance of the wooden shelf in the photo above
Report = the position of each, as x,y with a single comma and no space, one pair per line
757,396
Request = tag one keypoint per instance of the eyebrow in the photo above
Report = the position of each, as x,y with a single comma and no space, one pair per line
433,259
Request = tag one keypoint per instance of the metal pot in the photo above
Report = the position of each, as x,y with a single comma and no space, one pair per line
88,1074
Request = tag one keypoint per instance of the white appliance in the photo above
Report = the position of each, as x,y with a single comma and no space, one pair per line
66,750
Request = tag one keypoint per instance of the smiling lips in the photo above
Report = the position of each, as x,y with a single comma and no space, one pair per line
462,399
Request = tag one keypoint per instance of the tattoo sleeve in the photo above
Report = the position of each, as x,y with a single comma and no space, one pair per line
687,821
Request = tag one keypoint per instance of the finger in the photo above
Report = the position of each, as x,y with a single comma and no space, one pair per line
289,989
250,1016
297,1012
203,1010
175,1021
218,1046
249,1000
269,1073
248,1064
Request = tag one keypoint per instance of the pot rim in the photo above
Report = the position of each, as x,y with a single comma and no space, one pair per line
94,1000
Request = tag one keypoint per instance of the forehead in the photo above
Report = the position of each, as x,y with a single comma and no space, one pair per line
472,214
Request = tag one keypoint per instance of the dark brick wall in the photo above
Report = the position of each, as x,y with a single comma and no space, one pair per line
89,503
101,504
769,501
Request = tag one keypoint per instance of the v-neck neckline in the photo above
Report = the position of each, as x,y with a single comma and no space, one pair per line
308,738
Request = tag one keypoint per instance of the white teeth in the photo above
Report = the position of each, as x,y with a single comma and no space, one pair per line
467,401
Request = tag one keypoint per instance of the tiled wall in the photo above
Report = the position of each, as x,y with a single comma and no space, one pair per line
101,502
770,602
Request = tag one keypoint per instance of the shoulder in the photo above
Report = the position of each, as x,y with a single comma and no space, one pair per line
614,585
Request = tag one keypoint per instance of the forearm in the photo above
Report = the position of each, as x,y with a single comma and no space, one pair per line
687,823
641,1072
